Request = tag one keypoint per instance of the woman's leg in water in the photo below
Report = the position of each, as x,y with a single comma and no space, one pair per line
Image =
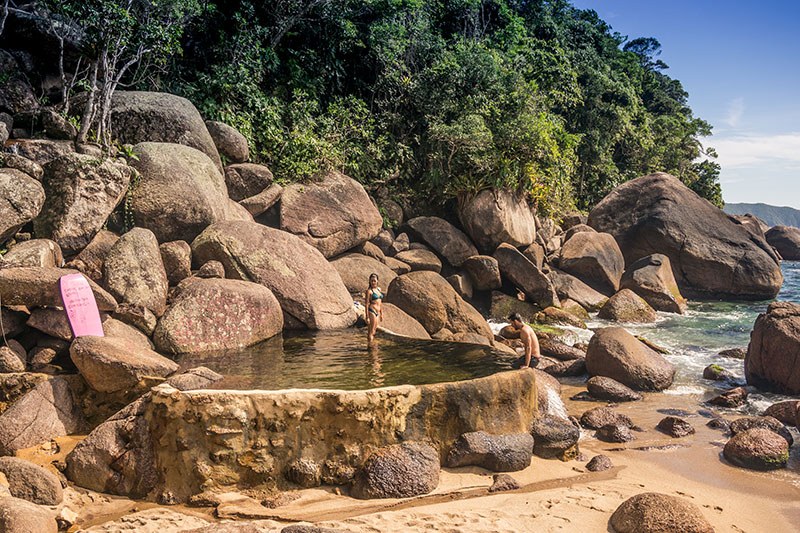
372,325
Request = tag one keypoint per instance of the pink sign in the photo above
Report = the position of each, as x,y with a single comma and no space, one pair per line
80,305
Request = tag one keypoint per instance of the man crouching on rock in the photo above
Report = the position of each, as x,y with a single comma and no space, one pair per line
529,340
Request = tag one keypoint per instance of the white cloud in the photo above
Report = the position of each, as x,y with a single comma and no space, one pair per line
735,112
756,150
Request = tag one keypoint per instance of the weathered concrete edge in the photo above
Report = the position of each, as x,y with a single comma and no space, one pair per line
207,439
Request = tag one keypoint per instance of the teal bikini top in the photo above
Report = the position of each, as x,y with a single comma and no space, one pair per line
374,296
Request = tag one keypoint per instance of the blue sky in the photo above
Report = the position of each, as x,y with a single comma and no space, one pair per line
740,63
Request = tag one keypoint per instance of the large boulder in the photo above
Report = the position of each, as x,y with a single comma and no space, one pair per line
712,255
521,272
91,259
597,417
81,193
308,288
498,453
46,412
430,299
484,271
555,437
134,271
568,287
627,306
218,314
139,116
180,192
651,512
333,215
31,482
20,516
771,359
420,259
651,278
446,239
615,353
397,321
496,216
595,259
177,259
41,151
21,200
785,239
38,287
34,253
398,471
757,449
355,270
118,456
110,364
611,390
245,180
229,142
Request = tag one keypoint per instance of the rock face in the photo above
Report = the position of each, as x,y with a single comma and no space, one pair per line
484,272
524,274
498,453
757,449
355,270
117,457
20,516
627,306
431,300
21,200
446,239
658,214
497,216
398,471
218,314
308,287
110,364
90,260
771,360
332,215
180,192
81,194
31,482
651,278
34,253
398,321
615,353
555,437
46,412
785,239
177,259
228,141
595,259
245,180
569,287
134,272
651,512
138,116
611,390
420,259
38,287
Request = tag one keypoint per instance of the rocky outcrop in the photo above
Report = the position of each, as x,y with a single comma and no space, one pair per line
91,259
615,353
38,287
308,288
138,116
757,449
20,516
34,253
651,278
627,306
785,239
229,142
785,411
180,192
766,422
110,364
245,180
261,202
355,270
524,274
498,453
333,215
712,256
484,272
569,287
31,482
23,164
652,512
611,390
81,193
444,238
46,412
771,359
431,300
595,259
134,272
555,437
398,471
420,259
557,317
218,314
559,350
497,216
21,200
399,322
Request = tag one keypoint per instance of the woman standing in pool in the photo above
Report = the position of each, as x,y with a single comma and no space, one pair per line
372,302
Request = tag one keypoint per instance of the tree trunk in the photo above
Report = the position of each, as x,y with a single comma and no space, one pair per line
89,110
